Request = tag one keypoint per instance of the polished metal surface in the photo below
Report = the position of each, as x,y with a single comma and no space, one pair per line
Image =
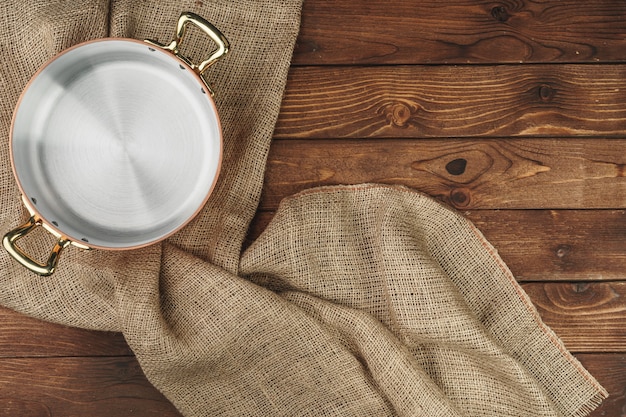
186,18
116,143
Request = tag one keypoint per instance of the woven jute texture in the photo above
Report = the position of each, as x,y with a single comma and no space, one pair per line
356,301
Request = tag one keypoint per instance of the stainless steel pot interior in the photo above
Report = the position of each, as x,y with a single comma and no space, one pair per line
116,143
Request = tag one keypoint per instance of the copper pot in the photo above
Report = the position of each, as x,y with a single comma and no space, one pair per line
116,144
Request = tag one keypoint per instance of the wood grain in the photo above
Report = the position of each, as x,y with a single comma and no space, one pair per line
22,336
610,371
460,31
454,101
544,245
78,387
496,174
512,111
563,245
588,317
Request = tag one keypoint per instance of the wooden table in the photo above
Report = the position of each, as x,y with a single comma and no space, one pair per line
514,112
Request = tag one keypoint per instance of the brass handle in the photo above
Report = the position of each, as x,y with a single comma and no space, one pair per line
223,46
9,243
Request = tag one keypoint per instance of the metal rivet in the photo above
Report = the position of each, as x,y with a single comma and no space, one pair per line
34,200
54,222
203,92
151,49
181,67
84,239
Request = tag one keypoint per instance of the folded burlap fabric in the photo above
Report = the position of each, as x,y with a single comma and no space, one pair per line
364,301
459,335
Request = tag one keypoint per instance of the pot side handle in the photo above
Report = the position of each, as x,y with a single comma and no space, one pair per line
223,46
9,243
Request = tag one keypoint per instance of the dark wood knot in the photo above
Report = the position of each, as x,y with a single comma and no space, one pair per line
500,13
460,197
456,166
399,113
546,93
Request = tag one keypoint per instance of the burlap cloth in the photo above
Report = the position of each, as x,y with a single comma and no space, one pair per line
365,301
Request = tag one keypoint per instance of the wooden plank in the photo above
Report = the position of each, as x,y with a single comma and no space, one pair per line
95,387
610,371
551,245
78,387
544,245
465,173
460,31
22,336
454,101
587,316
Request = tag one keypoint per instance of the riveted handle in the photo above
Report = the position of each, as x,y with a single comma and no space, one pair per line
223,46
9,243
